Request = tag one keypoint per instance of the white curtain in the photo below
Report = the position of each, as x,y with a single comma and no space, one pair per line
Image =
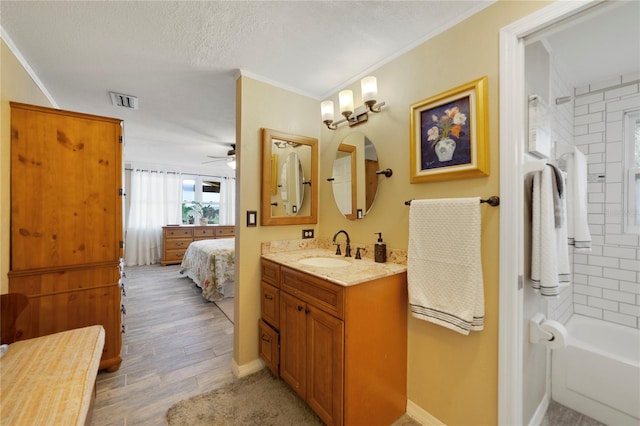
228,201
155,202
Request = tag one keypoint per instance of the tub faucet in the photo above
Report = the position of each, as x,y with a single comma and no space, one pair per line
348,248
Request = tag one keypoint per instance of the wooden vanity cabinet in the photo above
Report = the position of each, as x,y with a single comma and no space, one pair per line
269,323
343,349
312,356
270,305
269,347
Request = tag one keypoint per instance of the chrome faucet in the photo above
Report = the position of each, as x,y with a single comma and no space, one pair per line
348,248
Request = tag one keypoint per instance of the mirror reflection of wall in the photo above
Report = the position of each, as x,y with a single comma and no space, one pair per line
292,184
289,181
354,177
345,180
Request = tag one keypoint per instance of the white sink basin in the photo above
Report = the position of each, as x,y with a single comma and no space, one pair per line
324,262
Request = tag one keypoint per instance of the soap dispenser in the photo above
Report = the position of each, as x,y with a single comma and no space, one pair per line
380,250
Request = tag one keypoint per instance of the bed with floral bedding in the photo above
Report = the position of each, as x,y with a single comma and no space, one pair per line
210,264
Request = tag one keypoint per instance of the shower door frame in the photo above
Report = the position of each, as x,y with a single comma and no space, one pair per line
512,142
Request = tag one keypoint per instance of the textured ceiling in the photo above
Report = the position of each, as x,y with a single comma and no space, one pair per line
181,58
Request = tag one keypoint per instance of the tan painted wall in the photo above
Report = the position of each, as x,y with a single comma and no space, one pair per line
453,377
260,105
15,85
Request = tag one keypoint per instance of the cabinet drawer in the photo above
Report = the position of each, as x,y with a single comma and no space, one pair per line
270,272
270,305
225,232
204,232
324,295
176,244
269,347
174,255
178,232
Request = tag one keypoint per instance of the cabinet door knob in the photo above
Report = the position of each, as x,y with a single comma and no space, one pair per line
268,297
300,308
265,338
306,311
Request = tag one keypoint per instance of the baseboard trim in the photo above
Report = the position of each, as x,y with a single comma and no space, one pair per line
246,369
538,416
421,416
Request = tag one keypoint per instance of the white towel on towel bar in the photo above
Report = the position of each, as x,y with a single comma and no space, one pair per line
549,251
444,267
578,224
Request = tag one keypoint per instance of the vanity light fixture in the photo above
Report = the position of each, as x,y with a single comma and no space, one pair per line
284,144
353,116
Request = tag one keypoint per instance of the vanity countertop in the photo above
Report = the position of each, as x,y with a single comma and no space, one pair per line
357,272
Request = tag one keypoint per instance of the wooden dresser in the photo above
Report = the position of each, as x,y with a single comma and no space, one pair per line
66,222
176,239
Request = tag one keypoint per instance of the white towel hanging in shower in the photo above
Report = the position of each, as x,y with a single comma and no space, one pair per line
578,224
549,251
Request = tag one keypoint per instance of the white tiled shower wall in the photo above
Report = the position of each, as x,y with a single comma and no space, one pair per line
560,308
606,281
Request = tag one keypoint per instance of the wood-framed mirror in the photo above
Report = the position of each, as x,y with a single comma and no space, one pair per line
289,192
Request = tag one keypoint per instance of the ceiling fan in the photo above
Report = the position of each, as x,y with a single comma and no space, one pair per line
230,158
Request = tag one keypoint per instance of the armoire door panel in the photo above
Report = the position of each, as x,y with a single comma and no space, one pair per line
66,171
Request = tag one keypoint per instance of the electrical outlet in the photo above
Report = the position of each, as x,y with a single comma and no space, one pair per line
307,233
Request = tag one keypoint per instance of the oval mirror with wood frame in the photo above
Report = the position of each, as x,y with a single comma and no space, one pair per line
289,193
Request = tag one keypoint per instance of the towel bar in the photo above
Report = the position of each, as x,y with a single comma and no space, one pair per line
493,201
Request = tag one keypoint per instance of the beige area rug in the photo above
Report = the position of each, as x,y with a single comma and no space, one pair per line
226,306
258,399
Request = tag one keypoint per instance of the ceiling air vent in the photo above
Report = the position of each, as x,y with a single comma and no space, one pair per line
125,101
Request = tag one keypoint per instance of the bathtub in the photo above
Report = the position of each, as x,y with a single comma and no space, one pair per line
598,373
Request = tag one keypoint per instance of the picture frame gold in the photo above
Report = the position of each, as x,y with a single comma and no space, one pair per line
449,134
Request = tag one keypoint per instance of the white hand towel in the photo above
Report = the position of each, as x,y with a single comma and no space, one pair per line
578,224
549,252
444,267
562,249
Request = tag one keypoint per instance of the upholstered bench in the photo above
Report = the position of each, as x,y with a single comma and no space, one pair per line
50,380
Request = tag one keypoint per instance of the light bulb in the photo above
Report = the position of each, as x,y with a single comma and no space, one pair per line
346,102
326,108
369,87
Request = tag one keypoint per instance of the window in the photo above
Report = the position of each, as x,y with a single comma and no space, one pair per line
201,198
632,171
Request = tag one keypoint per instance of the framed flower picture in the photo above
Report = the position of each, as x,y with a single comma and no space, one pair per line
449,134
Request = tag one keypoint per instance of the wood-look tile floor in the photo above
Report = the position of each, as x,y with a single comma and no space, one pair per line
176,345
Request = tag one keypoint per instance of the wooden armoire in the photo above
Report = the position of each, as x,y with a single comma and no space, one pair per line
66,222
